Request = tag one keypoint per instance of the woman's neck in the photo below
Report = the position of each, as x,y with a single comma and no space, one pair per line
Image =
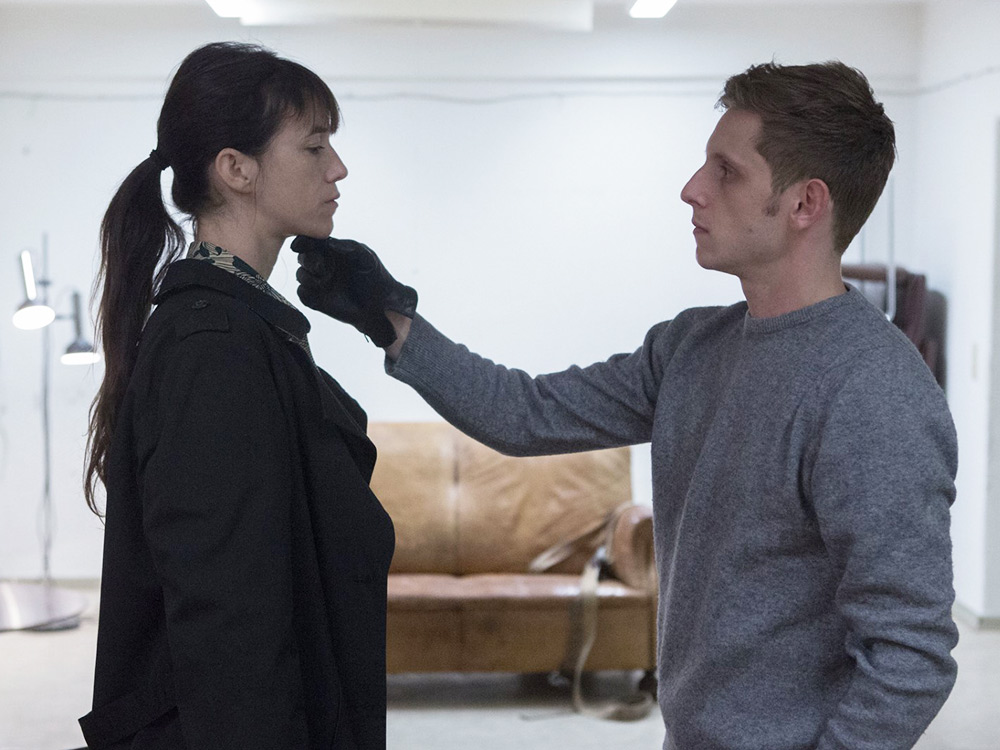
239,238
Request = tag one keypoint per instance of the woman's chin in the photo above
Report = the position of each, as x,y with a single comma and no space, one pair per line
320,230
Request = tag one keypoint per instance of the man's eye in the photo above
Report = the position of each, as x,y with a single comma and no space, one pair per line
315,149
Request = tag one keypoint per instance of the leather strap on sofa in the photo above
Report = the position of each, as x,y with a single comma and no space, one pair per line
583,616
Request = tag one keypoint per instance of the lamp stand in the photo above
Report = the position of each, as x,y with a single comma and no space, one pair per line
42,606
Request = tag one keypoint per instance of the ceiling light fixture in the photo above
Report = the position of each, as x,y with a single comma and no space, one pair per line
651,8
565,15
228,8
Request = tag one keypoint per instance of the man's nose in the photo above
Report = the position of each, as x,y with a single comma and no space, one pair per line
691,192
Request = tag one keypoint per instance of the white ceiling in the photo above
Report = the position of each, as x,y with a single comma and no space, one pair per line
417,4
565,14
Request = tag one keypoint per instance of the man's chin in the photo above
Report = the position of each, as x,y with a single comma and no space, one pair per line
713,263
704,259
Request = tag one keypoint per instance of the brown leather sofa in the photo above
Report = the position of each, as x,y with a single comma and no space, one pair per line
469,521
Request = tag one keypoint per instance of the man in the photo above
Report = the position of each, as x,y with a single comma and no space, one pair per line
803,456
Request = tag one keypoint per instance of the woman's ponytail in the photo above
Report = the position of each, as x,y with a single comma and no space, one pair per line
138,237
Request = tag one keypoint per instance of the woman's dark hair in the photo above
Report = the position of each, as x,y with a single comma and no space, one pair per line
224,95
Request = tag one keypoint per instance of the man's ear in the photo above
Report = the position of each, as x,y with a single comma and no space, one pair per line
235,170
812,204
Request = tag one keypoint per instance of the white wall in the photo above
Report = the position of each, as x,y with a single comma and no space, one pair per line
525,182
958,111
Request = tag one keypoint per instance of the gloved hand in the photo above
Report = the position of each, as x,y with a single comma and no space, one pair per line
347,281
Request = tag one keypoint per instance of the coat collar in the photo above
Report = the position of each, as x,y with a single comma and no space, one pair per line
186,273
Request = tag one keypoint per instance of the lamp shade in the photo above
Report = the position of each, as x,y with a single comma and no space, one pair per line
32,315
80,352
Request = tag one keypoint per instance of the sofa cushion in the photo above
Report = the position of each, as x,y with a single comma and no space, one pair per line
516,623
512,509
414,479
521,591
459,507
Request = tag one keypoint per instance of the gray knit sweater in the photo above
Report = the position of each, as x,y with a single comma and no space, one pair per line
803,468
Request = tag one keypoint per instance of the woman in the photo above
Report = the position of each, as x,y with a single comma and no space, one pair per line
243,593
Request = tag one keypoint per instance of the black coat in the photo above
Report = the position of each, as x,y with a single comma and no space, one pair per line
243,597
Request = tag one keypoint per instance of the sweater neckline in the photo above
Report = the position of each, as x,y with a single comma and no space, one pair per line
761,326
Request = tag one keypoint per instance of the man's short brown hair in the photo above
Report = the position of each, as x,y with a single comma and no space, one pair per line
820,121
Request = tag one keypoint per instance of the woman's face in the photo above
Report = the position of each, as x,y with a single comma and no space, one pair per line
296,190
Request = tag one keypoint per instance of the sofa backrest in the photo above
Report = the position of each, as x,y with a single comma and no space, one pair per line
460,507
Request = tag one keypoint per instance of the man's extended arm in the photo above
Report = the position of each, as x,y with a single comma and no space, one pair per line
607,404
601,406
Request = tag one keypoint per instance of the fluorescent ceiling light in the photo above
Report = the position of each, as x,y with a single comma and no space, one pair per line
569,15
651,8
228,8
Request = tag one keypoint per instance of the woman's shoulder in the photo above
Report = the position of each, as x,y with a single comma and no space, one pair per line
193,310
204,329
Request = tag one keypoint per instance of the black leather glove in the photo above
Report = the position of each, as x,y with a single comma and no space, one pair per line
347,281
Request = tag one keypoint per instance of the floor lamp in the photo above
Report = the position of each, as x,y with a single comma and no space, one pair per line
42,606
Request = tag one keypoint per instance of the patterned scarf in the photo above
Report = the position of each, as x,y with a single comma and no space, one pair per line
209,253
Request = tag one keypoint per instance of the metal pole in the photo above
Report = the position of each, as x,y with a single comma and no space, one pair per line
47,517
890,276
27,606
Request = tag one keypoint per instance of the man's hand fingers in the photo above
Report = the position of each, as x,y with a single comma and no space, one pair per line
306,277
318,264
303,244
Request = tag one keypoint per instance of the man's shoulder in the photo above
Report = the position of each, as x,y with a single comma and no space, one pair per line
705,324
737,310
696,334
870,365
710,317
862,339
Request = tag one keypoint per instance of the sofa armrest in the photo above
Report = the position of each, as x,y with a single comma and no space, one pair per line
631,548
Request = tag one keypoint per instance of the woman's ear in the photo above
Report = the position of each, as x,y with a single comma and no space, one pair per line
235,171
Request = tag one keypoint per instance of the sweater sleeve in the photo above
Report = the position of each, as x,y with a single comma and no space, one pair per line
882,482
605,405
216,497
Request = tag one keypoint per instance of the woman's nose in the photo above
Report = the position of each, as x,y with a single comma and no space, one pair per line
338,170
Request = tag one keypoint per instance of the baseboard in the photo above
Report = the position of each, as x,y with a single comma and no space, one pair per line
961,612
967,617
79,584
76,584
